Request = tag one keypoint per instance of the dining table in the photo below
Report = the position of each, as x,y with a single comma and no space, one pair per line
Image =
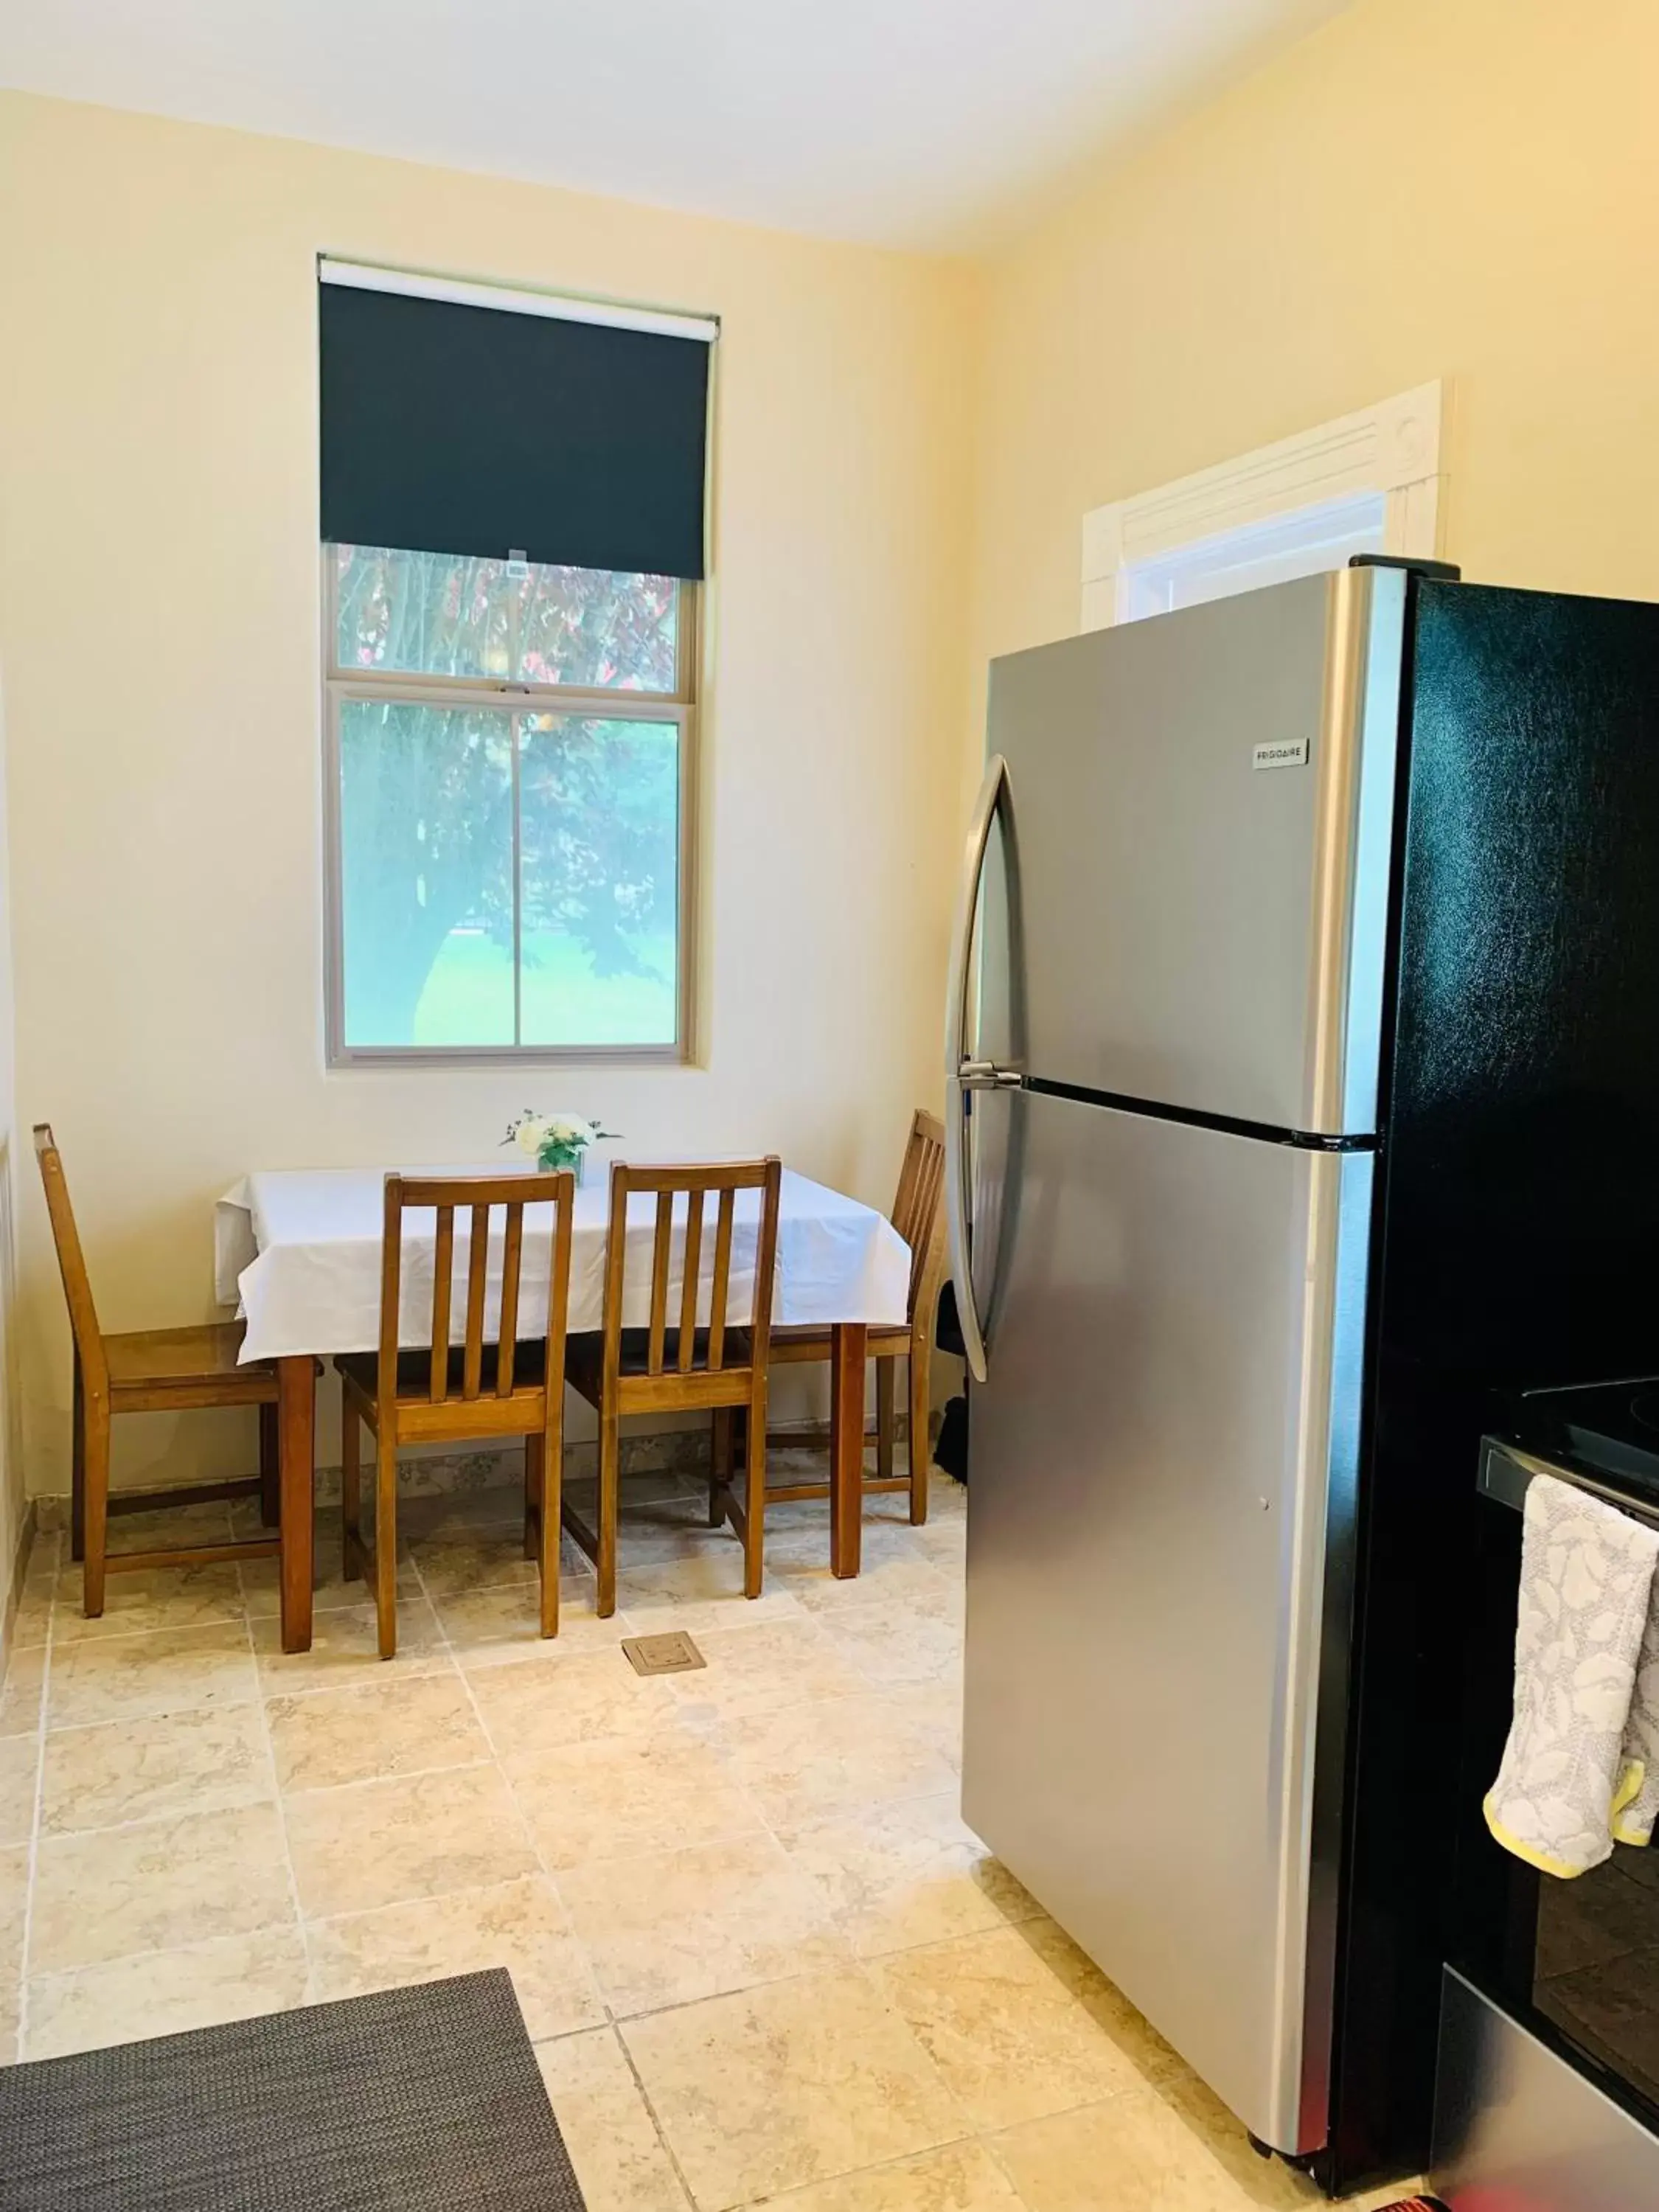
297,1253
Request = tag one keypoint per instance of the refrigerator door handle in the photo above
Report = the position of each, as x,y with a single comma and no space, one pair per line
964,1074
986,1075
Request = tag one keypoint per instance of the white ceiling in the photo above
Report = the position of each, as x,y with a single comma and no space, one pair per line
905,122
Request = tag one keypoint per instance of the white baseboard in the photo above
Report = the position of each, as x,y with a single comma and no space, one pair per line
20,1561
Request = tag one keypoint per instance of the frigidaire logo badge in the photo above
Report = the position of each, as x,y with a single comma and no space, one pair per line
1288,752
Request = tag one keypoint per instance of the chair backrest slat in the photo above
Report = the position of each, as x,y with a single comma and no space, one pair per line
766,1260
443,1266
391,1263
661,1249
71,1264
918,1214
508,1335
478,1196
616,1248
477,1261
558,1310
722,1289
691,1268
693,1354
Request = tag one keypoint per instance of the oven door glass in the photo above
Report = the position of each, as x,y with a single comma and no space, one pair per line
1576,1961
1595,1966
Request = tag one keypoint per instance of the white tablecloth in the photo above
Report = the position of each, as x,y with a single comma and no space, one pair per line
297,1251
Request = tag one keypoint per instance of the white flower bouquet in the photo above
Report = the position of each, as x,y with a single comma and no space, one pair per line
554,1140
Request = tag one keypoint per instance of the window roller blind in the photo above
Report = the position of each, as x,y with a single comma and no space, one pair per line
452,427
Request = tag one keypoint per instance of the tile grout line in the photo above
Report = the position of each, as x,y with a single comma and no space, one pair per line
160,1820
379,1780
68,1643
158,1950
661,2133
611,2026
304,1921
979,2139
780,2199
523,1818
263,1725
467,1889
206,1812
987,2138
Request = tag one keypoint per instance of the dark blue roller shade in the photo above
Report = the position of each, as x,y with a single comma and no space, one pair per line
461,429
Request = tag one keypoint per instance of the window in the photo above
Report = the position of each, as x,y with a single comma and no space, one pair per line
1366,484
510,728
508,756
1299,543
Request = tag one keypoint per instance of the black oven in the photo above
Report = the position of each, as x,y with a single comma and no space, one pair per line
1549,2089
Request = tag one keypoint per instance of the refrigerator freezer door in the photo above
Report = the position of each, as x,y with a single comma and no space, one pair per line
1202,809
1159,1547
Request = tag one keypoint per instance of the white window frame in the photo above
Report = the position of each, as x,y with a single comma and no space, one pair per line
1392,449
616,704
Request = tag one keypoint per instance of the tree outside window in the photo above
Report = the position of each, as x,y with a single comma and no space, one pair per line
508,753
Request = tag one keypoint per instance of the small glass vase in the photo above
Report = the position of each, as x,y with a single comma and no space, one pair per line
550,1162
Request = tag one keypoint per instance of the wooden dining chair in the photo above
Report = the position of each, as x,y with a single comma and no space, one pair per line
919,1217
152,1371
659,1369
457,1393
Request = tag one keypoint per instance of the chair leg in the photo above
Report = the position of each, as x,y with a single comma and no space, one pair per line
719,1463
550,1484
385,1539
886,1373
754,1503
351,1493
78,1468
610,1485
270,1469
921,1442
95,1421
535,1507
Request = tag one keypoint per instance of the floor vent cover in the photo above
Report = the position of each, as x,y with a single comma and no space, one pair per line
673,1654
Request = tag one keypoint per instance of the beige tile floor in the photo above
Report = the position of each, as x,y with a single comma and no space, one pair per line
759,1953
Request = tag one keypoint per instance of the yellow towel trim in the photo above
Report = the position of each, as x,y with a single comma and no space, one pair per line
1539,1859
1635,1773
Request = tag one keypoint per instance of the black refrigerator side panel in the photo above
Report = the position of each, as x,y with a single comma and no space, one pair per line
1525,1195
1519,1218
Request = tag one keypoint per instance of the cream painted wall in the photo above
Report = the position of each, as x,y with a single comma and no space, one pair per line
13,1503
1466,188
159,611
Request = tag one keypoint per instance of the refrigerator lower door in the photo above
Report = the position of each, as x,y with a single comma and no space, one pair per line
1159,1548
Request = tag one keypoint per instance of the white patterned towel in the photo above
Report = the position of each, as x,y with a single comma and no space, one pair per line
1587,1573
1634,1814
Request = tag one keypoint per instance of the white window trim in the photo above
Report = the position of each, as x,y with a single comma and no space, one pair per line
1393,448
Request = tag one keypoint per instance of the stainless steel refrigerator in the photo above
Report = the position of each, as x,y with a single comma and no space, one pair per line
1273,968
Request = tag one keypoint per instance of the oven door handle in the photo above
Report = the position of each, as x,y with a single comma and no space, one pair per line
1507,1474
